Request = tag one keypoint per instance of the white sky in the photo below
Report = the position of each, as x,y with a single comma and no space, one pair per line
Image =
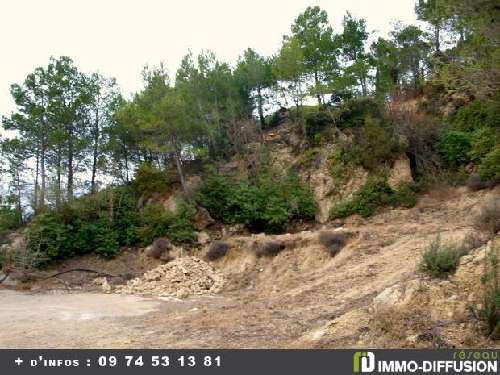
118,37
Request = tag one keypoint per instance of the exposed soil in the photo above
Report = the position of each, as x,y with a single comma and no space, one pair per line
302,297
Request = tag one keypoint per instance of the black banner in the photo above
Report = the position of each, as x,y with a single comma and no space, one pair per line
254,362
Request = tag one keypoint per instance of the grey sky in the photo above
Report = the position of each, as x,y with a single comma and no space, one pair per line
118,37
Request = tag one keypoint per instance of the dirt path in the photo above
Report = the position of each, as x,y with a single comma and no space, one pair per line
269,303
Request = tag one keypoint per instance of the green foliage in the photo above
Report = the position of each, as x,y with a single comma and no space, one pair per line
477,114
100,224
483,141
353,113
307,158
439,260
489,169
374,194
149,180
454,147
405,196
103,223
267,204
10,218
473,136
157,222
375,144
317,121
490,313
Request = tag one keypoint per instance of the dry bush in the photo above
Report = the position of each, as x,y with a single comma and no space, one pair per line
241,133
217,250
159,247
418,132
393,326
333,241
476,183
488,219
270,248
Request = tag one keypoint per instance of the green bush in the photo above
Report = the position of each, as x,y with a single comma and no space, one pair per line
149,180
454,147
267,203
103,223
157,222
405,196
476,115
99,224
10,218
489,169
374,144
440,260
490,312
483,141
374,194
316,122
354,112
371,196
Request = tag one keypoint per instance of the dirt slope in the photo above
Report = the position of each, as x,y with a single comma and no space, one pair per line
300,298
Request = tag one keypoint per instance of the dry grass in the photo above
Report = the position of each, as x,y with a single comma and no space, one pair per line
333,241
488,219
270,248
217,250
159,247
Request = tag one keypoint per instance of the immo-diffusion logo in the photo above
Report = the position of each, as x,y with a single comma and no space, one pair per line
363,362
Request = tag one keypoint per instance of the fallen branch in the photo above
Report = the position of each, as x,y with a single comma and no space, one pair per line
98,273
5,277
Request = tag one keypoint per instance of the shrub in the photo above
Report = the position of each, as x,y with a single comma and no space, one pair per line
439,260
157,222
270,248
372,195
490,313
355,111
102,223
217,250
405,196
483,141
477,114
476,183
149,180
333,241
488,219
489,169
454,147
316,122
267,203
159,247
10,218
375,144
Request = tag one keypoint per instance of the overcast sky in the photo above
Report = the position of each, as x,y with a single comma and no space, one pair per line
118,37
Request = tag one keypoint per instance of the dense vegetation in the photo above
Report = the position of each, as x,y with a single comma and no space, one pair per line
267,203
84,161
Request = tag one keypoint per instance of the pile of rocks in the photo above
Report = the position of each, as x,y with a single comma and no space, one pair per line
181,278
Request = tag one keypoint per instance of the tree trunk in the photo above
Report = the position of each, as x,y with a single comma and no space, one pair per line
37,187
42,171
259,107
437,35
180,171
70,163
58,178
95,153
19,204
316,82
